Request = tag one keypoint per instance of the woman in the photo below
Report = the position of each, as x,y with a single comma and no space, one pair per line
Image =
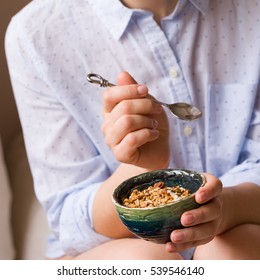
200,52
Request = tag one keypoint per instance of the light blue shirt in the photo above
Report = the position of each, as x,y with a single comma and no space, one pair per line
206,53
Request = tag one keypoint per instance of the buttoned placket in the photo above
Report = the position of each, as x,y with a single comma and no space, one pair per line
178,92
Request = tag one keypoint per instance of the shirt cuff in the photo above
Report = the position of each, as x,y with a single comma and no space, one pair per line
76,232
248,171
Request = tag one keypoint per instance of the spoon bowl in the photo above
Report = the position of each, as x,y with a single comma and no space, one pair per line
180,110
183,111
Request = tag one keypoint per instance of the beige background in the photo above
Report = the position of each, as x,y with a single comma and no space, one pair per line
7,106
28,225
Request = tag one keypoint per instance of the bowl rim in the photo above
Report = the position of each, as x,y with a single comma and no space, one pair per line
159,206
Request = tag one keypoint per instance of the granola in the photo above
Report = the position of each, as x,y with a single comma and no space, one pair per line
155,195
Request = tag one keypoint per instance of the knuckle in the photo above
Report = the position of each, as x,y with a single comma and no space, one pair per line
106,127
131,140
127,122
121,156
118,155
125,107
109,137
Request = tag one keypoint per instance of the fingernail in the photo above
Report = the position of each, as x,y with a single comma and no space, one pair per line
202,197
155,133
155,123
178,236
142,90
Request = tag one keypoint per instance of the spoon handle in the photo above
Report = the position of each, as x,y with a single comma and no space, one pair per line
97,79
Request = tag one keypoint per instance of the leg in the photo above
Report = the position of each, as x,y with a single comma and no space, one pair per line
241,242
128,249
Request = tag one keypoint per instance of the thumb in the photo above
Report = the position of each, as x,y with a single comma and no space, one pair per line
124,78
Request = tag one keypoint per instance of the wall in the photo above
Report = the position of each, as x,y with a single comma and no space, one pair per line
8,112
28,223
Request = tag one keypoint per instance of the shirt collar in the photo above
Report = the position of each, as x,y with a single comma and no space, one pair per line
116,16
201,5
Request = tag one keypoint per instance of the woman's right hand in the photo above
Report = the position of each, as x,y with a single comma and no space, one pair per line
135,127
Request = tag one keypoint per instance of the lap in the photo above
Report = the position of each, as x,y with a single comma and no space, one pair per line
127,249
241,242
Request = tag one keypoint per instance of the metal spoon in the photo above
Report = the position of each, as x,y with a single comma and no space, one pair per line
180,110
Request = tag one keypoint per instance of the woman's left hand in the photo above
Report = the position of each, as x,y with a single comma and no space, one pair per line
201,224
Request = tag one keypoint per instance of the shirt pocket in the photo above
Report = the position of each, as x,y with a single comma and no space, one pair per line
229,112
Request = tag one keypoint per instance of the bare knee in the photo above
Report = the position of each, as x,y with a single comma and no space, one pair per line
128,249
241,242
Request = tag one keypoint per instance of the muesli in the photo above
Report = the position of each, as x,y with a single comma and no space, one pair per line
155,195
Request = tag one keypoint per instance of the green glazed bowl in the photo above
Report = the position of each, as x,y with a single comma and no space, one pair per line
156,223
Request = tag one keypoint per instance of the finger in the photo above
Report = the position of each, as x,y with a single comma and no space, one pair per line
143,106
211,189
127,123
114,95
203,214
124,78
178,247
195,233
127,150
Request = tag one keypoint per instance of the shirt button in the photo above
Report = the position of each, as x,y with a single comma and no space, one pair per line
173,73
187,131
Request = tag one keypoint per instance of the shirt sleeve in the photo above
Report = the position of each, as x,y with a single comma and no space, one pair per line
248,168
66,166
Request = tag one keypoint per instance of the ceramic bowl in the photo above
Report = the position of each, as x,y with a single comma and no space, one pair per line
156,223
